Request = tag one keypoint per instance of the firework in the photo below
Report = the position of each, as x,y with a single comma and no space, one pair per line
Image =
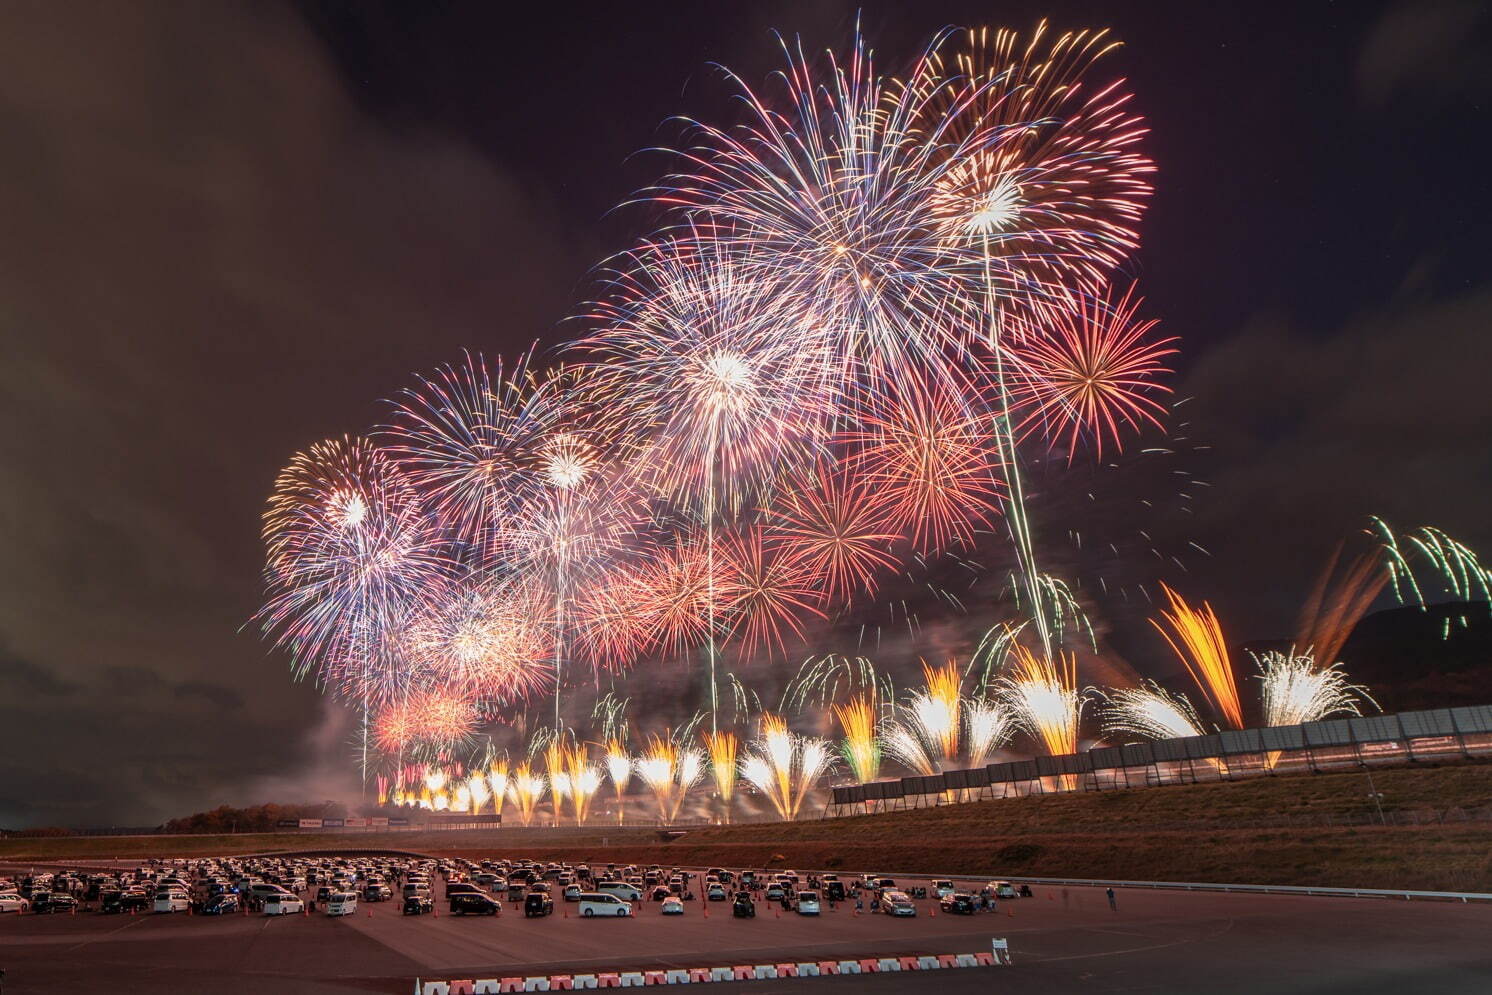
1454,567
1090,371
722,748
1295,690
348,554
1198,642
497,781
670,771
470,439
395,728
1337,603
1043,698
488,641
1150,711
834,524
584,780
784,766
925,734
988,725
477,791
769,591
860,745
930,458
619,772
526,787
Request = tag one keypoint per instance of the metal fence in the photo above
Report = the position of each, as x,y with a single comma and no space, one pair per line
1331,744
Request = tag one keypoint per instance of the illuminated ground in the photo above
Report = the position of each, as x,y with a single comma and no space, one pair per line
1062,941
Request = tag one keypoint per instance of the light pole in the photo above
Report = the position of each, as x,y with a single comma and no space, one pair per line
1373,792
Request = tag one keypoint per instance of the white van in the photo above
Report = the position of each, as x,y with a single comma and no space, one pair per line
282,904
620,889
600,904
342,903
171,901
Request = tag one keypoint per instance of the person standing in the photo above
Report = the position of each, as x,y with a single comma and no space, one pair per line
1113,905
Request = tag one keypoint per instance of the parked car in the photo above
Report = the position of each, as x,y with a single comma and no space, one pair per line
572,893
377,892
834,891
775,892
418,905
343,903
620,890
899,903
659,893
12,902
52,901
222,904
1003,889
475,905
603,904
537,904
283,904
958,903
171,901
942,887
808,903
673,906
743,907
716,892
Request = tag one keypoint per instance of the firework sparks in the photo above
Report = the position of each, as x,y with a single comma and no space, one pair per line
860,745
988,725
1043,698
1198,642
1295,690
784,766
1149,711
526,787
721,748
925,733
619,773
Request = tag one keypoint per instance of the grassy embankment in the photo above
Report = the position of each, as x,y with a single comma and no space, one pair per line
1191,833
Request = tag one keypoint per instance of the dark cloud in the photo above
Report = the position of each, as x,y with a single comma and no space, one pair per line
216,695
1419,49
23,677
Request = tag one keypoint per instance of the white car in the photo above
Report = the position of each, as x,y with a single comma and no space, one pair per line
673,906
808,903
171,901
594,904
1003,889
716,892
12,902
943,887
899,903
620,890
283,905
342,904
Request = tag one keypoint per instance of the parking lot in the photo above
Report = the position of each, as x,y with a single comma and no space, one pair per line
1062,939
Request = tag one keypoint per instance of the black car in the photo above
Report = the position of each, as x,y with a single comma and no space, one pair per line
743,907
462,888
474,905
222,904
959,903
53,901
537,904
418,905
834,891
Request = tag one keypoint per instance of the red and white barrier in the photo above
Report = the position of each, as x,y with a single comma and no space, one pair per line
998,955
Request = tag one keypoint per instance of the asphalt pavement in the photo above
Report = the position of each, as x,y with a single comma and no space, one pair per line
1061,940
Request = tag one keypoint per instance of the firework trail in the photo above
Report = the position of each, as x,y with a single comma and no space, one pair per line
1198,642
1295,690
1333,610
784,766
1149,711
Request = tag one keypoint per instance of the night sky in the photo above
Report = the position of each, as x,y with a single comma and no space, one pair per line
231,229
